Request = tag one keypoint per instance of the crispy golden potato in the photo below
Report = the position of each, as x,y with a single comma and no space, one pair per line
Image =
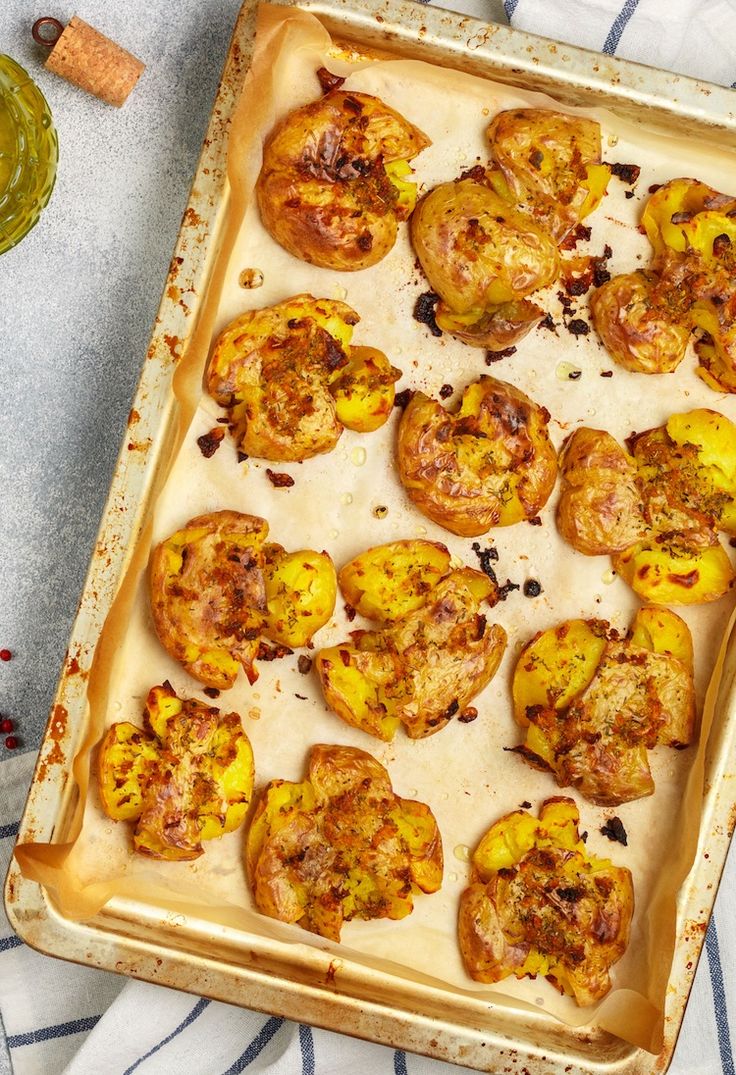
645,318
436,654
491,463
593,704
290,380
551,162
187,778
600,509
334,182
482,256
644,326
340,845
217,587
656,511
539,905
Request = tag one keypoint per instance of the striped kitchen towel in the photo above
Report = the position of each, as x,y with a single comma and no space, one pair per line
692,38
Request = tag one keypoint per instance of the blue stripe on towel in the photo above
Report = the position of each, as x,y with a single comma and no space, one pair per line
6,943
306,1043
719,998
510,7
400,1055
9,830
258,1044
196,1011
47,1033
619,25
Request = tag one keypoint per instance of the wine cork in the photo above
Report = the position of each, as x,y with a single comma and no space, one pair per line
87,58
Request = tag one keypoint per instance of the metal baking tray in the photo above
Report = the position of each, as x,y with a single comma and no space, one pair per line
223,963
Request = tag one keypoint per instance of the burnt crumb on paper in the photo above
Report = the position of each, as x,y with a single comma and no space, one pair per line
242,456
507,588
328,81
532,588
468,715
496,356
210,442
350,612
548,323
536,520
212,692
614,830
486,557
577,327
580,234
304,664
279,479
526,805
446,391
272,653
424,311
403,398
627,173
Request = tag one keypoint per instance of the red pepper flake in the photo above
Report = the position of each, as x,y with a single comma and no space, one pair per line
278,479
210,442
304,664
468,714
344,657
350,612
328,81
272,653
627,173
496,356
403,398
424,311
5,655
6,726
615,831
446,391
581,233
11,742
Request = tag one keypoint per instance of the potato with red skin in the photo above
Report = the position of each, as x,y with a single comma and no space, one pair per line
433,653
187,777
592,704
491,463
340,845
539,905
551,163
217,587
332,189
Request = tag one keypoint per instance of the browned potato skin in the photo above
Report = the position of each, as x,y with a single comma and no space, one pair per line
299,872
516,920
285,367
218,600
555,197
456,496
600,509
313,199
640,323
430,663
503,326
476,250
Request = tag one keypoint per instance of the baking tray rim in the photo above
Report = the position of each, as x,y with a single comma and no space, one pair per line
396,25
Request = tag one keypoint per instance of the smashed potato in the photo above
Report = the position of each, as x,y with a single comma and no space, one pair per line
187,777
340,845
334,182
217,587
593,704
551,163
646,318
538,904
435,652
488,241
656,509
291,381
481,256
491,463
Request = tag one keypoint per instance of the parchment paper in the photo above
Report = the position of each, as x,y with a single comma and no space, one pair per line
462,772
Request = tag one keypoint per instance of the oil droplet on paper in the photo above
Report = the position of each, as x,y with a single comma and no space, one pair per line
334,534
358,456
565,371
118,706
612,140
340,292
346,498
462,853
